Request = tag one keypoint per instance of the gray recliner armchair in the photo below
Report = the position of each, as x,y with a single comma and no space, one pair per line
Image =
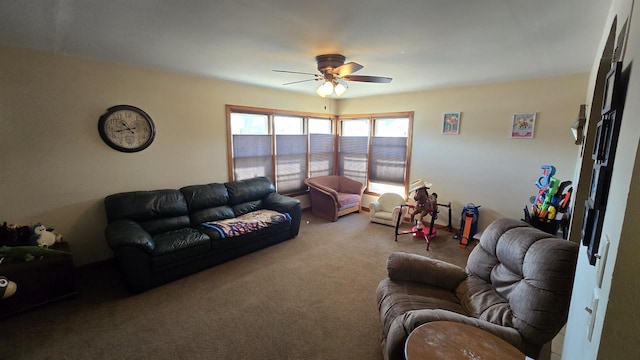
517,285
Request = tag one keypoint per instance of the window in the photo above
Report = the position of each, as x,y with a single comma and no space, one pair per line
388,155
287,147
251,146
374,150
291,153
354,149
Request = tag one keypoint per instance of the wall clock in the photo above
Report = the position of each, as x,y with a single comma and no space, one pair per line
126,128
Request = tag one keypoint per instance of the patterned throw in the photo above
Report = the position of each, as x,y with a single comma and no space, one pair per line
247,223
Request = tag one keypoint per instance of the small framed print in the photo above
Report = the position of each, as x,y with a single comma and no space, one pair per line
611,97
451,123
522,125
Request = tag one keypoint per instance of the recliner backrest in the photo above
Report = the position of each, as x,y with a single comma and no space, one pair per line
521,277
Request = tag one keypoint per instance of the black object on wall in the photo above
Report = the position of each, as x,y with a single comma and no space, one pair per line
603,154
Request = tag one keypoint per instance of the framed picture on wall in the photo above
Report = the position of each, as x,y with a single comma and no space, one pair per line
599,143
587,223
611,86
599,187
610,141
522,125
596,231
451,123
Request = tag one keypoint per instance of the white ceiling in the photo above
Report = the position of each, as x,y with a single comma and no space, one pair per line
421,44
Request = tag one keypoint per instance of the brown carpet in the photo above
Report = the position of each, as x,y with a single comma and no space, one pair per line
312,297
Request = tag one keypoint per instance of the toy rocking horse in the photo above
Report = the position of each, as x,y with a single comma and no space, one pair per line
426,204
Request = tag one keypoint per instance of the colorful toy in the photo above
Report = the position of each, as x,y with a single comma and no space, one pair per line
468,224
550,207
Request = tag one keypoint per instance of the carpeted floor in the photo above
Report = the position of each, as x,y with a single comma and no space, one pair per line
312,297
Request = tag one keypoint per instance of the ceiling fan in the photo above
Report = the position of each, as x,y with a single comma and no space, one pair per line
334,73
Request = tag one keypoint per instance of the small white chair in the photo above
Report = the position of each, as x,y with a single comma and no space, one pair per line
386,209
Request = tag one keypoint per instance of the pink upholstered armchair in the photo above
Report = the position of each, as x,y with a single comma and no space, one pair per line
334,195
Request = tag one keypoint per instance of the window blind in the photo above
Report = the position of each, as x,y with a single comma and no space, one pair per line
353,157
291,162
321,151
252,156
388,159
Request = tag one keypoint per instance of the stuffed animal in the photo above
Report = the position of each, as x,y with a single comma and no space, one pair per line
28,253
16,235
45,238
7,287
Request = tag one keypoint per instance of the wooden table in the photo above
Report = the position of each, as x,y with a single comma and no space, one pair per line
448,340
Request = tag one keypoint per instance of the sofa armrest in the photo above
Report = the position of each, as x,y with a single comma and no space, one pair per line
128,233
333,194
280,203
421,269
285,204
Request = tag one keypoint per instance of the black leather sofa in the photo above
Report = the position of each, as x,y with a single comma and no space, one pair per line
161,235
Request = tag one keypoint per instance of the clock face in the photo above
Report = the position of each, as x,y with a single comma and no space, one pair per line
126,128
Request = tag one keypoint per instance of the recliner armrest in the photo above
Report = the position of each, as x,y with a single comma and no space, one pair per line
128,233
402,326
424,270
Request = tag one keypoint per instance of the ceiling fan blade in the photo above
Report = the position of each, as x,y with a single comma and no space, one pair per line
295,82
365,78
295,72
346,69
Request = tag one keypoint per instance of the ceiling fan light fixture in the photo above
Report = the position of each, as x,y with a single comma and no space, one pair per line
325,89
341,87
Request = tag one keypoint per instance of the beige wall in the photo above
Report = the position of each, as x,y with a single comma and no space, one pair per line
483,165
57,170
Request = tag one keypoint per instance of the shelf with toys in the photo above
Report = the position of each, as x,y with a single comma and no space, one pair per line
549,210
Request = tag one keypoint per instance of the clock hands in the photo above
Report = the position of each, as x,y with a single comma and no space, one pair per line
128,128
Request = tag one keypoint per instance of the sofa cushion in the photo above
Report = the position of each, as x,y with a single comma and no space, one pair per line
207,202
249,190
179,245
398,297
481,300
346,200
156,211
